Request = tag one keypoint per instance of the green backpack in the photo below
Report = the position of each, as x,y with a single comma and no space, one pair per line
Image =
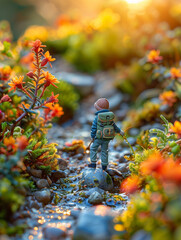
105,129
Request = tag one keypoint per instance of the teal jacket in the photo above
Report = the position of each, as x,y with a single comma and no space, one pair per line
94,125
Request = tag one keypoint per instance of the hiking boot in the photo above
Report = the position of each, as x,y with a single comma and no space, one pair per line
92,165
104,167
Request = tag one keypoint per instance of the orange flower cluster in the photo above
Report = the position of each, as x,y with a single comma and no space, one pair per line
52,110
48,58
168,97
18,83
131,184
163,169
175,73
176,128
11,146
5,73
154,56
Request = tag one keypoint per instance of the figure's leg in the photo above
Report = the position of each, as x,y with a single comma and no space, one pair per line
104,153
93,152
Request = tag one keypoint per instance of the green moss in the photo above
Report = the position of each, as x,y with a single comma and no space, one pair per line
68,98
108,179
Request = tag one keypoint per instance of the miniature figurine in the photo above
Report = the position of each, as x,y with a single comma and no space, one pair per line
103,130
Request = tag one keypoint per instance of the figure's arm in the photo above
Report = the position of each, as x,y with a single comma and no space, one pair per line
117,129
94,128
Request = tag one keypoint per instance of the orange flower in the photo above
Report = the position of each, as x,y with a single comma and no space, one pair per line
152,164
171,171
37,46
49,79
48,58
52,110
16,83
52,98
176,128
154,56
175,73
10,144
130,184
57,111
22,142
5,98
27,59
168,97
5,73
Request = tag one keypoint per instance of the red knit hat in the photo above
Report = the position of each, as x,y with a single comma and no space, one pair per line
101,103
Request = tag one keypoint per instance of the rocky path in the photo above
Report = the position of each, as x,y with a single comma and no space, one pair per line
66,208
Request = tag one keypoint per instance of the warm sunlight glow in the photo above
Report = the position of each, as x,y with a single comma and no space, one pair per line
134,1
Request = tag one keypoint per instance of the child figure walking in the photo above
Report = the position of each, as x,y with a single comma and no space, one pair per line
103,130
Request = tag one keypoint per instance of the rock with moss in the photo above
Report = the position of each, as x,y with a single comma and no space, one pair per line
97,177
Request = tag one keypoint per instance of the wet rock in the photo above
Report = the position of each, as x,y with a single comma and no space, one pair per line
42,183
91,177
52,233
122,159
49,181
96,189
62,164
43,196
56,175
79,156
165,108
95,198
146,127
115,100
95,224
34,172
110,203
121,114
131,140
123,167
113,172
83,83
141,235
4,237
35,204
134,131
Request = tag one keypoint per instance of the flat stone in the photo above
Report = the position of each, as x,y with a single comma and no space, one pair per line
115,100
35,172
113,172
123,167
43,196
95,198
83,83
53,233
56,175
95,224
91,177
42,183
62,164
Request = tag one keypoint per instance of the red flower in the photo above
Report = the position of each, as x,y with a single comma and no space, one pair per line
5,98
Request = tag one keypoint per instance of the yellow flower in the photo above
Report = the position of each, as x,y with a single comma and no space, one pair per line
168,97
154,56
